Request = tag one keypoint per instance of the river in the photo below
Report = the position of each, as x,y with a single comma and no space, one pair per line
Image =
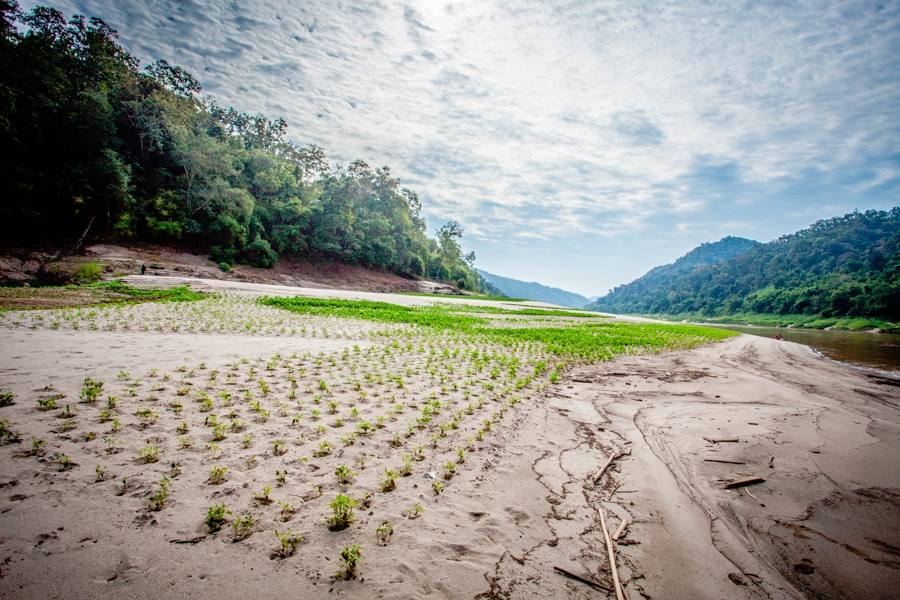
877,350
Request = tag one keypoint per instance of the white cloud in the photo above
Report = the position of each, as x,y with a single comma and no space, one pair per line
527,118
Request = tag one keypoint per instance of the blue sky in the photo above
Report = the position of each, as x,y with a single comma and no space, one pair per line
578,143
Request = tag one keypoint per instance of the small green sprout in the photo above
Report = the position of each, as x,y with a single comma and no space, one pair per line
342,512
217,475
215,516
149,454
242,527
389,481
159,497
384,532
414,511
288,542
350,557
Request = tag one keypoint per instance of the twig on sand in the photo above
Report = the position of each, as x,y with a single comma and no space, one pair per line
720,440
614,456
742,482
193,540
584,580
620,593
622,527
727,462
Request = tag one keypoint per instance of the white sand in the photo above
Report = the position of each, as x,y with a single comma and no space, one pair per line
523,502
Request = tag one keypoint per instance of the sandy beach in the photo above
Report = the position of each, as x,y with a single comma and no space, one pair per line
530,496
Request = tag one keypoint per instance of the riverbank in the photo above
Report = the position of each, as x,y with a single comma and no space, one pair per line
799,321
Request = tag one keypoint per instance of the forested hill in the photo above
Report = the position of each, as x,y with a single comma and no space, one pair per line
95,147
845,266
531,290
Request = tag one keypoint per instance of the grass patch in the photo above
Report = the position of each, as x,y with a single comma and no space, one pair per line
466,296
93,294
590,341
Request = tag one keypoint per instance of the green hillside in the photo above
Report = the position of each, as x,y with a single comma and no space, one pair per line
846,266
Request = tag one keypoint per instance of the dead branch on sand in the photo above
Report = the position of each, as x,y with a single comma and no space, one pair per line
584,580
611,552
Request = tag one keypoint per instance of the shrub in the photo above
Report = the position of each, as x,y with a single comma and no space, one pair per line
88,273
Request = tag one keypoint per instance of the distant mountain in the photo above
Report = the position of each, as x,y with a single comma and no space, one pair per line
531,290
845,266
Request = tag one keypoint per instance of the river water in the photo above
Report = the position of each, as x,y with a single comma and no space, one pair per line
878,350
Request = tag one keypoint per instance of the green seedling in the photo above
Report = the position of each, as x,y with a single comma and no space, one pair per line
215,516
287,510
460,455
242,527
342,512
219,432
217,475
264,496
46,403
149,454
388,482
438,487
100,473
280,477
383,533
90,390
6,398
324,449
344,474
278,447
64,462
414,511
288,542
159,497
182,428
350,557
406,467
37,446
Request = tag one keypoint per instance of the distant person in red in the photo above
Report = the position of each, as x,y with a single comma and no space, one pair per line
779,336
143,269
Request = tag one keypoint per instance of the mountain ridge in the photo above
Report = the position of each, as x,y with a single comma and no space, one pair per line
843,266
533,290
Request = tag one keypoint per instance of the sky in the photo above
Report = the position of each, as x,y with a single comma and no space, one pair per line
578,143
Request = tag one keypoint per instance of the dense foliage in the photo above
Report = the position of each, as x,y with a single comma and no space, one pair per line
91,143
845,266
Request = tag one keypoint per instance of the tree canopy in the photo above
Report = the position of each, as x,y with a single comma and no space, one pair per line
93,142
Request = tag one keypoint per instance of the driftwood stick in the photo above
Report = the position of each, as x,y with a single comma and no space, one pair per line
721,440
611,553
727,462
742,482
617,454
584,580
622,527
